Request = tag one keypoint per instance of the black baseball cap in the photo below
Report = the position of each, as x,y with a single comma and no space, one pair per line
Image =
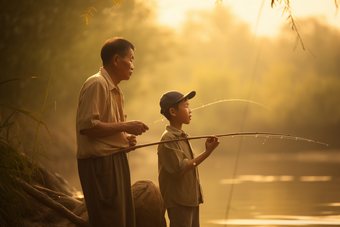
169,98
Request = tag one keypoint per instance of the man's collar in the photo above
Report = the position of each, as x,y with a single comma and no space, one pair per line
106,75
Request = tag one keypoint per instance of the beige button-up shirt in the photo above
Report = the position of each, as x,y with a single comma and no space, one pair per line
99,101
173,157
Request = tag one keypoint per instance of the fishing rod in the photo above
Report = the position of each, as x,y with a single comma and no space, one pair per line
267,135
220,101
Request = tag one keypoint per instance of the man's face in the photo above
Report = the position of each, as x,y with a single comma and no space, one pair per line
125,66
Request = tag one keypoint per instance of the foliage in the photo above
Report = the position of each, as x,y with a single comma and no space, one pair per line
221,63
214,55
88,11
290,18
292,21
14,164
286,9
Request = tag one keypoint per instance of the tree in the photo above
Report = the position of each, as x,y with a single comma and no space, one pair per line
286,10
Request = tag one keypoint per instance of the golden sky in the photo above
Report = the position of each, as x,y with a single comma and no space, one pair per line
172,12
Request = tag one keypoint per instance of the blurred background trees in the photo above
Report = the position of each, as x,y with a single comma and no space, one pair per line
214,54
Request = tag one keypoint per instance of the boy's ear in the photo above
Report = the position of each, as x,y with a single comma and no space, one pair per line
172,111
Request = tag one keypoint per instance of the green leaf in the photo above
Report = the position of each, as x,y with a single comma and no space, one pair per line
25,112
48,85
272,3
53,104
20,78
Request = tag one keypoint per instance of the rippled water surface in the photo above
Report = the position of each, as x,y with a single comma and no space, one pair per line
300,189
273,193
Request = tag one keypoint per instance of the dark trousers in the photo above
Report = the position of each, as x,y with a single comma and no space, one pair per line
106,186
184,216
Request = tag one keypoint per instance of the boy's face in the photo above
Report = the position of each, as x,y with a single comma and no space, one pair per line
183,114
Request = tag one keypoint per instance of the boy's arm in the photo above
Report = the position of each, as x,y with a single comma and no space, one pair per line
172,158
210,145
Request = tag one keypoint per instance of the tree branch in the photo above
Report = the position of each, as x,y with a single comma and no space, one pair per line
57,207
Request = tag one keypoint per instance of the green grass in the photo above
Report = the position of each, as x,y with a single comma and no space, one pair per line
22,139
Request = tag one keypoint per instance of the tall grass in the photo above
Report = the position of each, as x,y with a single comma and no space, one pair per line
19,156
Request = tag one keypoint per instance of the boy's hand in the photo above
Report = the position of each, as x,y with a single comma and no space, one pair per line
211,143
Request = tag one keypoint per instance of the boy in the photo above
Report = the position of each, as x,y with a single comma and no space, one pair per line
178,176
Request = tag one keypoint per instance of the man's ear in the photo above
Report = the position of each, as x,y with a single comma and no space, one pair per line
115,59
172,111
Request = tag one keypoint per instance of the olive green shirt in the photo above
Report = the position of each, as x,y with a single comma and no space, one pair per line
175,186
99,101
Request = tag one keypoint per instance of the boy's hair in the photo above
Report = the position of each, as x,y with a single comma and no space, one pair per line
171,99
175,106
115,46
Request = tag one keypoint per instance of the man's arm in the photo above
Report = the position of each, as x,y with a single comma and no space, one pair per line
106,129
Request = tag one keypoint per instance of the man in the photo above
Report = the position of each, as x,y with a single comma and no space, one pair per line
102,129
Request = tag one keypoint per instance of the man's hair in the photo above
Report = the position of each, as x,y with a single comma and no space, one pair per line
115,46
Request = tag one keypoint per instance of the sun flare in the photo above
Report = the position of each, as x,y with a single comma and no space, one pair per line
263,19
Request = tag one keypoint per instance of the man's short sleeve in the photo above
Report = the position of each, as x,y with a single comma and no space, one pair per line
91,104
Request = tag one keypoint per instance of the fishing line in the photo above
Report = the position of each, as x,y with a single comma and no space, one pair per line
220,101
241,141
258,20
231,100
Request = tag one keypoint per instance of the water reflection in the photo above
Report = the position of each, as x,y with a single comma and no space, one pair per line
277,200
269,190
265,220
256,218
265,179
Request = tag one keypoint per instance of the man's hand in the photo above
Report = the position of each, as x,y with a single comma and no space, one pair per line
135,127
132,140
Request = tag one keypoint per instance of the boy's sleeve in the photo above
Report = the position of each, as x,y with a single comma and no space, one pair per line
172,158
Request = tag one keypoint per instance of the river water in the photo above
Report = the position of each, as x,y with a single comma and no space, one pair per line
274,190
296,189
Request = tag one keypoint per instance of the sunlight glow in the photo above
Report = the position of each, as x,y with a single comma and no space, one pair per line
266,179
315,178
293,220
80,194
331,204
173,13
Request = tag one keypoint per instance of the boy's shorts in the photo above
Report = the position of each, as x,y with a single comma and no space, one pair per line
184,216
